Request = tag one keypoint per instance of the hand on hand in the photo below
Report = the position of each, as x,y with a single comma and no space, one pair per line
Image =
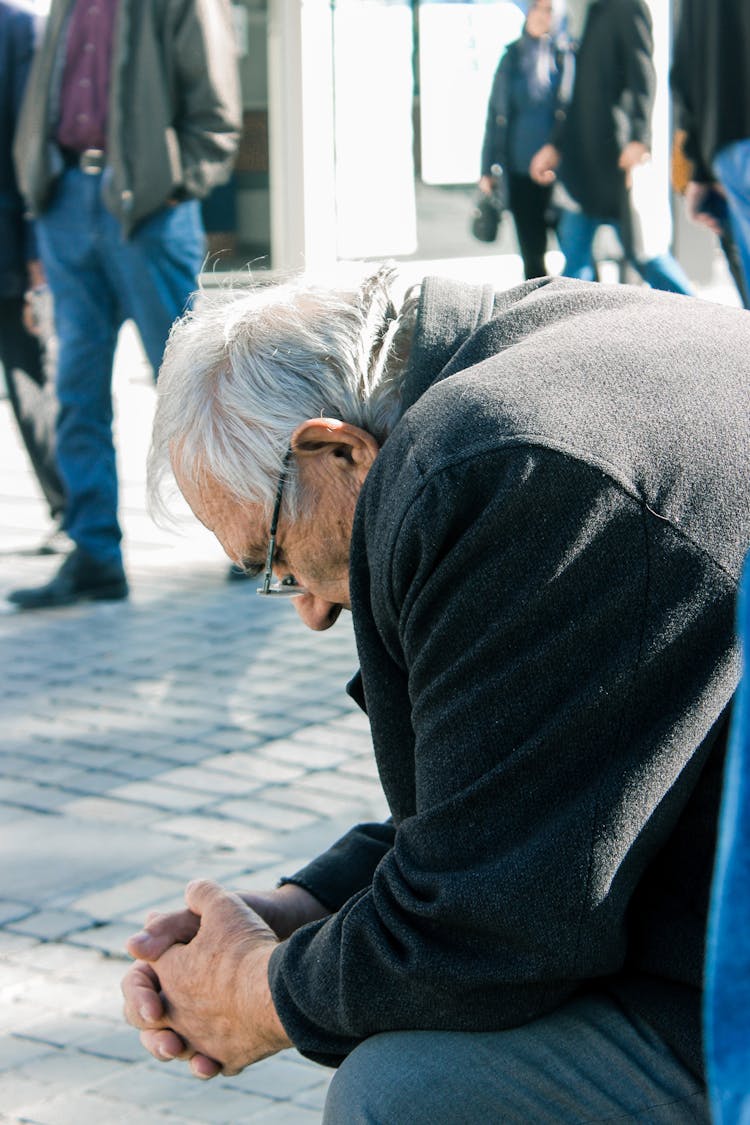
200,989
286,908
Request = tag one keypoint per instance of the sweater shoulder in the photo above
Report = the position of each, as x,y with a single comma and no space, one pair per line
604,380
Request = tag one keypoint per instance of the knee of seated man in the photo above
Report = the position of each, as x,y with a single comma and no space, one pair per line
379,1083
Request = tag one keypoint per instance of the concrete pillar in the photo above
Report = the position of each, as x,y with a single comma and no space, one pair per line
301,134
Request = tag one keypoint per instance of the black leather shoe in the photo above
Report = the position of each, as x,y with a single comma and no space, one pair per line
80,578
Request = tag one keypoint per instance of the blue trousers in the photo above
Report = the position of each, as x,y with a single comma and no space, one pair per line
99,279
732,167
727,1014
575,233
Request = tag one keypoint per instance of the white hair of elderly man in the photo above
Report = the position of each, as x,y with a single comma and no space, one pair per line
246,366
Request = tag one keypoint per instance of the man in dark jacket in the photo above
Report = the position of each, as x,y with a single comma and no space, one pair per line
711,85
24,363
600,146
535,505
131,116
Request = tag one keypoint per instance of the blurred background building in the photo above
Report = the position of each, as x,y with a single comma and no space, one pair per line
362,131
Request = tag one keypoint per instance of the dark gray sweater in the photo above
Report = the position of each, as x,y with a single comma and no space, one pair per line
543,572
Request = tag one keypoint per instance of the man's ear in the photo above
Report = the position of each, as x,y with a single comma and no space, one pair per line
330,437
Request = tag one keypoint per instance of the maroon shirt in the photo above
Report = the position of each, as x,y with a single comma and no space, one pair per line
84,94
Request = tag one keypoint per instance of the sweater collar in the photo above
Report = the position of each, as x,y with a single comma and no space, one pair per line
449,312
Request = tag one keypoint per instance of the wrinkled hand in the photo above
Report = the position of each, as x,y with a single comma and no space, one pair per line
200,991
634,154
284,909
544,164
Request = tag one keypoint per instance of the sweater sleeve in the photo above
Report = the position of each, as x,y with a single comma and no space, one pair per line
347,866
512,601
495,141
203,55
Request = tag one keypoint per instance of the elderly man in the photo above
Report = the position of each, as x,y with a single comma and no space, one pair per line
534,503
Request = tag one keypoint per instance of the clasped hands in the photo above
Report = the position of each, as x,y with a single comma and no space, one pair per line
198,990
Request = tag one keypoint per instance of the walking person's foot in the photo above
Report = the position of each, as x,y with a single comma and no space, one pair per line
80,578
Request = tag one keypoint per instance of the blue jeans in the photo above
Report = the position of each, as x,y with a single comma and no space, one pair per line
727,1012
732,167
98,279
575,233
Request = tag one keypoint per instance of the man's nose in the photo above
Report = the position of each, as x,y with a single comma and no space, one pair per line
317,613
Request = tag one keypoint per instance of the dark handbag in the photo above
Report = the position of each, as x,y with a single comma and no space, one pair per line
488,209
485,219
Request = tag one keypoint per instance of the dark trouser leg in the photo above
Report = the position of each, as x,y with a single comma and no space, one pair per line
732,255
528,204
33,403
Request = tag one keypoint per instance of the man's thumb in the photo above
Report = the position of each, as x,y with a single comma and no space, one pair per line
202,894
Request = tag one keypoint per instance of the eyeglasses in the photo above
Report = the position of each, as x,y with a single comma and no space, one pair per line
288,587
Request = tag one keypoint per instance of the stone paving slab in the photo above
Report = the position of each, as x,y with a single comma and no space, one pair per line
190,731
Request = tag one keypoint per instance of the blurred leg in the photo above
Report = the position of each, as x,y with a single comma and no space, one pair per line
528,205
732,166
666,273
662,271
734,264
87,320
35,410
575,233
155,271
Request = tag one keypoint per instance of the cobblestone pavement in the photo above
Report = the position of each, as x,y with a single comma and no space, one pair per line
194,730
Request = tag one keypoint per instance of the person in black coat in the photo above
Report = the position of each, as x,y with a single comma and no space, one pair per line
534,503
25,365
520,114
601,142
711,87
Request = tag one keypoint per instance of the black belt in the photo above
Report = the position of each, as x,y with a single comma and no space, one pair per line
91,160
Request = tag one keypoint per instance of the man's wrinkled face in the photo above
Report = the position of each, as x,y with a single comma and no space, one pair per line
313,548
